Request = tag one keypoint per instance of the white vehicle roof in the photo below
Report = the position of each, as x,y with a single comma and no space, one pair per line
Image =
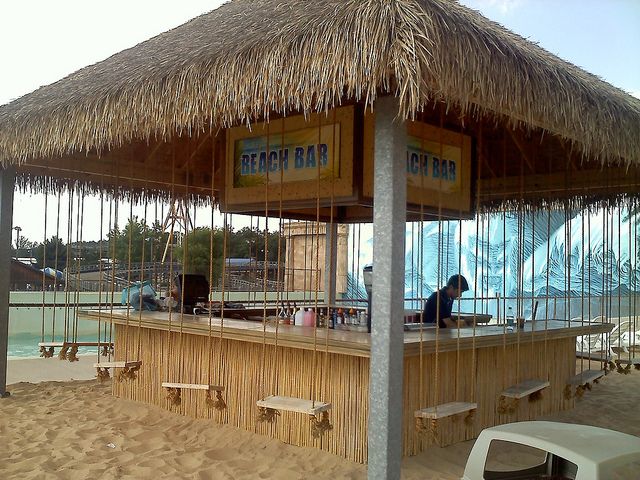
580,444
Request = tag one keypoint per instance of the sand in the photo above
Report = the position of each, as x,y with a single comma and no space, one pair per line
36,370
77,430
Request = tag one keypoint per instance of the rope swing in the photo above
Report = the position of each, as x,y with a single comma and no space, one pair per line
270,407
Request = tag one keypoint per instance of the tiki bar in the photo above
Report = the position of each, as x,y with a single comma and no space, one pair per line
448,137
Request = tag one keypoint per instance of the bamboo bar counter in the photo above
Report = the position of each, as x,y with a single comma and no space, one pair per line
545,350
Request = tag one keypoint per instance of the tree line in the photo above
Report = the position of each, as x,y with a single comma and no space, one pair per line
138,241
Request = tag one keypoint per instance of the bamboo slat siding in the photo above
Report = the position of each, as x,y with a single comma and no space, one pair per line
346,386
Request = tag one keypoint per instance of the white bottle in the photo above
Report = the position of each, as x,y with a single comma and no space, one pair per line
510,317
298,317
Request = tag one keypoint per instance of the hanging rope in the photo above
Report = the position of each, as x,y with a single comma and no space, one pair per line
218,404
44,351
319,427
72,356
62,355
504,406
265,414
317,273
173,397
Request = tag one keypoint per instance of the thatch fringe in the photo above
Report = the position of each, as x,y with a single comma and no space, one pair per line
586,203
253,57
37,184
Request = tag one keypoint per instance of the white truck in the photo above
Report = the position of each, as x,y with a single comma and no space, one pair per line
554,451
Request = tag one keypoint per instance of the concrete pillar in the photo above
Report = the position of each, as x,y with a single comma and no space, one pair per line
7,184
387,347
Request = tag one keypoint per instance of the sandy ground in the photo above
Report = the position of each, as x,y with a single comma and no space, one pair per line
36,370
77,430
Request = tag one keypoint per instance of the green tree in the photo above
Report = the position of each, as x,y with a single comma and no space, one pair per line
244,243
55,244
128,242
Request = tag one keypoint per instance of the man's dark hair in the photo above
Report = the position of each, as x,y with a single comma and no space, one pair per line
458,281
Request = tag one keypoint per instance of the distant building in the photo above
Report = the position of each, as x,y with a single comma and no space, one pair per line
247,274
305,250
24,276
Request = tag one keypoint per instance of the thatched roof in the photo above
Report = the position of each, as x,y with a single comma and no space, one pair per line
252,57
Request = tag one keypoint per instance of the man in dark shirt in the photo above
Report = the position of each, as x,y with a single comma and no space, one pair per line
456,285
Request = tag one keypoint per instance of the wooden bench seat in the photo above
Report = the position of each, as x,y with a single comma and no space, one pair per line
445,410
130,364
193,386
587,376
524,389
292,404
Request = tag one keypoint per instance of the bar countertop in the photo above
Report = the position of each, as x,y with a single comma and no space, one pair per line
347,342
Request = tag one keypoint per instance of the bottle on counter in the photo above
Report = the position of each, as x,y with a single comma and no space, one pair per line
511,320
282,315
341,316
289,314
332,318
353,316
298,316
309,318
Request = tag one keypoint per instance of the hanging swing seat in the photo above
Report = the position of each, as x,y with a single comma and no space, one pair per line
52,344
292,404
525,389
628,361
131,364
193,386
587,376
76,344
445,410
596,356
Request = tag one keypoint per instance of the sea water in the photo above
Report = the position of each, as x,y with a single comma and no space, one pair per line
26,317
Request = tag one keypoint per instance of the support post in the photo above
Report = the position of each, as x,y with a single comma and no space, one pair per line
7,184
330,263
387,346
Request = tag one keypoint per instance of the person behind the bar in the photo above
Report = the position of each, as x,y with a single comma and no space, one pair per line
456,286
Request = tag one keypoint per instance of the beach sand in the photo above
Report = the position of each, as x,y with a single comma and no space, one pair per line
36,370
77,430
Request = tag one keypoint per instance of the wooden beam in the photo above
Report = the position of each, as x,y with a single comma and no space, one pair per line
191,156
154,150
486,164
522,148
567,152
550,185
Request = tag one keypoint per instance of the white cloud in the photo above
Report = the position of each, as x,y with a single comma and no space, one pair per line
636,93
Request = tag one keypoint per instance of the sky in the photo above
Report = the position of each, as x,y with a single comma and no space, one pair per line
43,41
600,36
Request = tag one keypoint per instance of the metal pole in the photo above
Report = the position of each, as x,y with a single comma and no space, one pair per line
387,348
18,230
330,263
7,184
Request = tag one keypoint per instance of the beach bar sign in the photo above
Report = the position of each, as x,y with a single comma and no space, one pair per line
434,166
437,165
295,160
294,156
